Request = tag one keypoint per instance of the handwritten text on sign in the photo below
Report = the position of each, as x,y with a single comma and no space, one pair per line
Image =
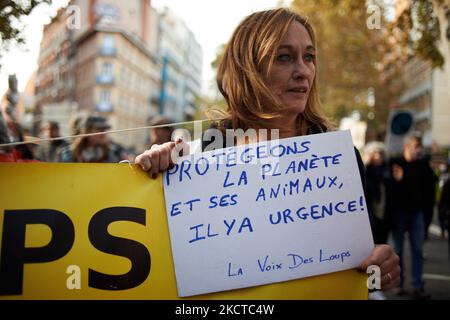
268,212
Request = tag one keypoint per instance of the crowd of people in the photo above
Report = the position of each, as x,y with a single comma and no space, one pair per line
402,196
96,148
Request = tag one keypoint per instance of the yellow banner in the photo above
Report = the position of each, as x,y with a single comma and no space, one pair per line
99,231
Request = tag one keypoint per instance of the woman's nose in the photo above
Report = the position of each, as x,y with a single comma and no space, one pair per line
300,71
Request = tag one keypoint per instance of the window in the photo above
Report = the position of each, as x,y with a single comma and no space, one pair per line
105,96
108,40
122,74
108,45
104,104
107,68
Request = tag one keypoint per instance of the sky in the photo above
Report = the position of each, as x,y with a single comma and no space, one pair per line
212,22
22,61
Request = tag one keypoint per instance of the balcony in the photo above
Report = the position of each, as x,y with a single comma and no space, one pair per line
105,79
107,51
104,106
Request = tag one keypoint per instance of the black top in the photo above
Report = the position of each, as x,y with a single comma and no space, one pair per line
444,202
417,189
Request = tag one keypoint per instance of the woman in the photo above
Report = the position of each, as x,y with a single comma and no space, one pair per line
93,149
268,78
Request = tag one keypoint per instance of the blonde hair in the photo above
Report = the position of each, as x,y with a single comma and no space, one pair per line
242,71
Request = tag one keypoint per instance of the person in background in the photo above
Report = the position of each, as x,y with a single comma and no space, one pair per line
160,135
16,134
377,174
75,124
97,148
444,207
432,183
11,154
444,175
409,187
6,153
49,151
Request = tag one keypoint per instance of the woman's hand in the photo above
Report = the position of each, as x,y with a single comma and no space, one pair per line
384,257
160,157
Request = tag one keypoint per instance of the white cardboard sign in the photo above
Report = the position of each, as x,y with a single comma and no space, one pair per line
268,212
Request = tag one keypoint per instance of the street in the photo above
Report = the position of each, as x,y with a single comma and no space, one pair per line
436,268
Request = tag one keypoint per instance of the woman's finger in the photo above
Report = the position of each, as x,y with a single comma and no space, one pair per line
379,254
154,159
391,280
389,264
143,161
164,158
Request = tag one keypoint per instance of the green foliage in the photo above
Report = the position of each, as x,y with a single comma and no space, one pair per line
10,14
348,52
352,58
425,32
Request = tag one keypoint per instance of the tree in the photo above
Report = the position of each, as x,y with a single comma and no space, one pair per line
354,59
415,32
421,26
358,64
348,53
10,14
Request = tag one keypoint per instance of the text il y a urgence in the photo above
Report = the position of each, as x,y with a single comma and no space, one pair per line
225,162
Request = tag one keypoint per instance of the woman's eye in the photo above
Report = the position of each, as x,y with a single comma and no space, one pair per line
310,57
283,57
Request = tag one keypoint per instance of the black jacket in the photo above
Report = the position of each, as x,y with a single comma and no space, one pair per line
444,202
416,192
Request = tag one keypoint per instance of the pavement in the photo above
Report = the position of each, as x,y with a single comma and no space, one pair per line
436,268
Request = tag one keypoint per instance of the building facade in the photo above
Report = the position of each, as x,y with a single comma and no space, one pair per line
440,117
118,77
119,62
181,70
55,80
426,90
417,95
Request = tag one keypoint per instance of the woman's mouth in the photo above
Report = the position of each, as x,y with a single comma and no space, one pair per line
300,91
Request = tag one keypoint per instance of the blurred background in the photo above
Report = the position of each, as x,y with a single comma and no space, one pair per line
381,63
131,60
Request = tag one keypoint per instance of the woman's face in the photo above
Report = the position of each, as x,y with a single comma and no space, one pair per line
293,71
97,140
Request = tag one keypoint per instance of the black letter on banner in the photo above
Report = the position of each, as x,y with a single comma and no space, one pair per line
133,250
14,254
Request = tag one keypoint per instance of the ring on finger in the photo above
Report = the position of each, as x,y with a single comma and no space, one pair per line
390,277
